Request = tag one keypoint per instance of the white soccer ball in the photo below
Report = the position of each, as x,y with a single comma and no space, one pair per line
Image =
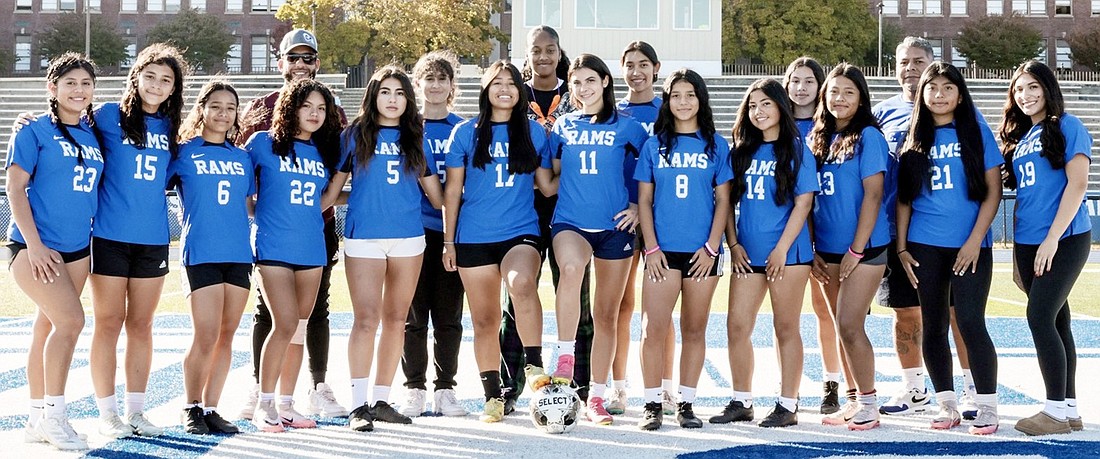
556,408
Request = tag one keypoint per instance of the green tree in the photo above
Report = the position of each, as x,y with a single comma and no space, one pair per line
7,61
1084,44
67,34
892,34
776,33
203,38
999,42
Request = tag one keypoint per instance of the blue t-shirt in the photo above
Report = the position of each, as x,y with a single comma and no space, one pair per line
646,115
805,125
761,222
288,226
385,199
943,214
214,181
132,207
836,211
893,116
436,134
63,192
683,188
593,155
496,205
1039,187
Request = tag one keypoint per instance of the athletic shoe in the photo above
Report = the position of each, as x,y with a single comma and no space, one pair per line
111,426
652,415
292,418
493,411
967,406
536,377
509,405
382,411
987,421
735,411
866,418
360,419
948,416
1076,424
668,403
266,418
250,404
57,431
322,402
616,402
414,402
780,417
830,401
30,435
685,415
216,423
564,372
141,425
596,413
907,401
193,421
842,417
1043,424
447,403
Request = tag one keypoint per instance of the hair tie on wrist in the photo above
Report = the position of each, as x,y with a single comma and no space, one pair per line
858,255
652,251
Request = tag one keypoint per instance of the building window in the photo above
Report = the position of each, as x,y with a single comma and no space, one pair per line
23,53
925,8
131,54
198,5
266,5
995,7
1063,7
539,12
1096,7
1062,54
617,14
233,58
128,6
957,59
58,5
1030,7
263,60
890,7
22,5
958,8
234,6
691,14
95,5
158,6
937,48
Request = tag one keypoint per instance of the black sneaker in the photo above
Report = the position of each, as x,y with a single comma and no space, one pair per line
652,415
734,412
780,417
830,401
360,419
382,411
193,422
686,417
216,423
509,405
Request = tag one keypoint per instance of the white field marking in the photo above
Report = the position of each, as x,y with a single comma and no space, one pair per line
1009,270
1022,304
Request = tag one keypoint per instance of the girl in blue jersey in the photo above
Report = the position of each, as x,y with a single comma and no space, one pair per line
774,180
56,159
214,181
384,242
594,217
293,162
1049,153
683,192
803,83
491,231
849,226
438,292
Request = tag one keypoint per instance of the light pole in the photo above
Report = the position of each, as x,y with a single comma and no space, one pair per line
88,29
880,38
313,17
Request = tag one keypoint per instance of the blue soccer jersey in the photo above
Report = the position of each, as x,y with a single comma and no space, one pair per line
593,188
63,190
385,199
213,180
836,211
943,214
761,222
893,116
646,115
436,135
805,125
496,205
288,226
132,207
1039,187
683,188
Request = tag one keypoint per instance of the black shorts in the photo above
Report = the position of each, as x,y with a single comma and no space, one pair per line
873,256
764,269
66,257
896,291
281,264
124,259
682,261
606,244
491,253
206,274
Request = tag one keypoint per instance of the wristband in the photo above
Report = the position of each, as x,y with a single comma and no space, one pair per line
713,253
735,244
858,255
652,251
448,242
902,251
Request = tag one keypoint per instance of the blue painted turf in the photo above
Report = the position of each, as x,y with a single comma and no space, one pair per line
992,449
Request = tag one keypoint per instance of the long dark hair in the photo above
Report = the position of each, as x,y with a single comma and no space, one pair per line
914,171
747,140
595,64
642,47
815,68
522,158
821,143
132,119
59,67
1016,124
364,129
562,69
665,126
193,125
284,122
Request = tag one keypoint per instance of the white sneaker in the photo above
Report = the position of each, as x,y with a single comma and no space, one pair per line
967,406
250,404
668,403
142,426
267,418
907,401
447,403
57,431
30,435
111,426
414,402
322,402
292,418
616,402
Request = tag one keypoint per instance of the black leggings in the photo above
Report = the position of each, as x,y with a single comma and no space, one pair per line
1048,311
438,297
937,287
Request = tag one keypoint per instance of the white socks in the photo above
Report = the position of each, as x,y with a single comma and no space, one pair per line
790,404
1055,408
135,402
687,394
914,378
597,390
55,405
37,407
989,400
653,394
832,377
286,400
947,396
359,391
566,347
108,406
620,385
1071,408
668,385
380,394
744,397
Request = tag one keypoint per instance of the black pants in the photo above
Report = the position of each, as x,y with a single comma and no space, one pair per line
937,288
1048,313
438,295
317,331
